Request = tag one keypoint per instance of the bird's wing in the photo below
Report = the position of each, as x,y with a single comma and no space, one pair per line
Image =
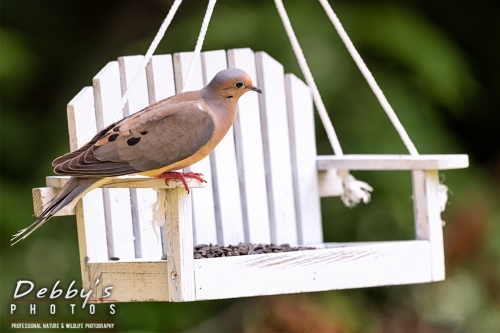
157,136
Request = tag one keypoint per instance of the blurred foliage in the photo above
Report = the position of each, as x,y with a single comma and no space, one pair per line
437,64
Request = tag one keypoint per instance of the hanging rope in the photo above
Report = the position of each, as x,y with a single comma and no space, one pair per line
301,59
199,43
443,189
149,53
369,78
354,191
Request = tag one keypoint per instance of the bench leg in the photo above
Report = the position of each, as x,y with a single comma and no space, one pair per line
179,229
428,224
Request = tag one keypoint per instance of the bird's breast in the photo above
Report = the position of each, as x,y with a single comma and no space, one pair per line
222,123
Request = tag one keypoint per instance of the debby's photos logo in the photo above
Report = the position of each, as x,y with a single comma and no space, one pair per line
60,300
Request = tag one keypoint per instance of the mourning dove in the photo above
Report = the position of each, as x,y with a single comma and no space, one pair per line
171,134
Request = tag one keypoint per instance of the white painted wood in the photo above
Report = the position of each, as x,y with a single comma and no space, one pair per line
357,266
228,216
146,232
107,93
342,266
142,200
91,224
420,210
203,200
132,281
130,181
90,210
329,183
182,62
81,118
142,182
117,208
42,195
303,156
428,224
393,162
249,154
275,137
92,237
160,77
180,246
329,245
139,98
180,277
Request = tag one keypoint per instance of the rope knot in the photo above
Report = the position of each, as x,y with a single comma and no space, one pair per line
354,191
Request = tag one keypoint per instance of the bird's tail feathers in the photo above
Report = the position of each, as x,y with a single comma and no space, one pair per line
70,192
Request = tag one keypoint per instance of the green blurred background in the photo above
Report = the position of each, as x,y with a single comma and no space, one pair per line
437,62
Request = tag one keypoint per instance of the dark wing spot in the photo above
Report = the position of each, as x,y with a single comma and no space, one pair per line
116,129
133,141
112,137
144,132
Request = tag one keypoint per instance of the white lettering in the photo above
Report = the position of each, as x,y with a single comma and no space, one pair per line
55,293
52,309
86,296
32,308
71,293
19,283
74,325
107,292
41,293
12,308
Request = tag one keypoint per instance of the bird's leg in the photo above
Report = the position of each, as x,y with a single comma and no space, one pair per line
182,176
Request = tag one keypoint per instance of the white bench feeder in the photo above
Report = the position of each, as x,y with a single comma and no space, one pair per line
264,185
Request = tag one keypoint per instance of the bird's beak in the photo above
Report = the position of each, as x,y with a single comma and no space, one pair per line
254,88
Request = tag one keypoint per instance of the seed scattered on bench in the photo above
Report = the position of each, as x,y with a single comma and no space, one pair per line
217,251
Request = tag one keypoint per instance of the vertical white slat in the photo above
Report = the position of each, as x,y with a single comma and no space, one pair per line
142,199
138,98
270,78
229,219
161,84
180,261
160,77
203,199
428,223
90,210
182,62
117,209
250,155
303,153
81,119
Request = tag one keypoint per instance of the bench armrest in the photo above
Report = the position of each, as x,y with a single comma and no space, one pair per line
42,195
392,162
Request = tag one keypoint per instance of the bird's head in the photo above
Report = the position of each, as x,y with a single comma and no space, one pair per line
231,84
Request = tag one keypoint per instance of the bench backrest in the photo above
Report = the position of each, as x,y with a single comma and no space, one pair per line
262,178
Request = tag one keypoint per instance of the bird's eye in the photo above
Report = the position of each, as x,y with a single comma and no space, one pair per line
239,84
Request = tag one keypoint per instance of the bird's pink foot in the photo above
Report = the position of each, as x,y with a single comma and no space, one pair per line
182,176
